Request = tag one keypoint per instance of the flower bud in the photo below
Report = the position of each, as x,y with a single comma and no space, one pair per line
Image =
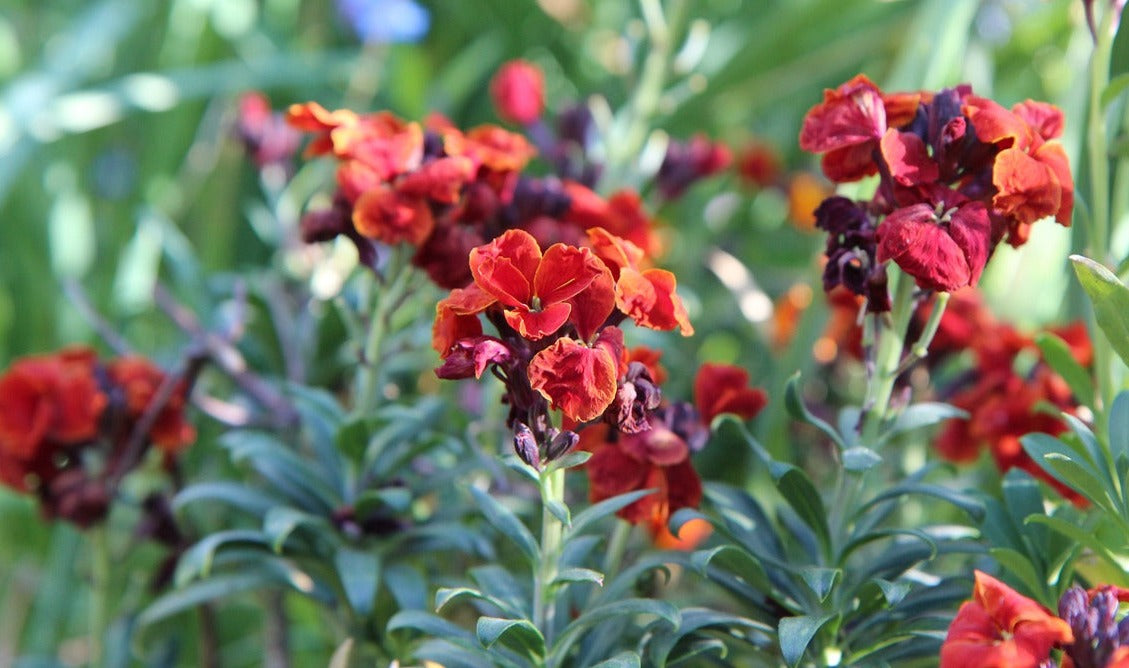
518,91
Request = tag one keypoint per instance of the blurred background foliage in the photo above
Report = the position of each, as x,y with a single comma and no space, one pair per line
118,166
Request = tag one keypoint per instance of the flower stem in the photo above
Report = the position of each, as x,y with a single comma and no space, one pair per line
544,596
1098,151
890,339
388,297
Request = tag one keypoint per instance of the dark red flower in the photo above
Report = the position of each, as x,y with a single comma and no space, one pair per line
723,388
846,128
518,92
943,251
1000,628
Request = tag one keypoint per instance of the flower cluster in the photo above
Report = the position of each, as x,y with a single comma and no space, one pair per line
446,191
958,174
1000,627
57,409
556,313
659,458
1004,401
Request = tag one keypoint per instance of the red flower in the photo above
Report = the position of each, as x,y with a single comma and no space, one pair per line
384,214
1000,628
578,379
942,251
49,398
518,92
456,317
846,127
759,164
139,379
622,215
723,388
647,296
534,289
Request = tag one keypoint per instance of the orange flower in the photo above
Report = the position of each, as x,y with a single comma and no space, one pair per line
384,214
722,388
578,379
1000,628
647,296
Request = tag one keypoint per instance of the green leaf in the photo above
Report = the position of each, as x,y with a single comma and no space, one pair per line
794,403
1119,425
621,660
197,560
893,592
234,494
1021,567
599,511
396,499
1114,88
288,472
427,623
973,507
504,520
860,458
1063,464
352,438
697,619
446,595
519,635
559,511
736,560
1057,354
1085,537
281,521
800,493
1110,299
204,591
796,634
343,655
918,416
579,575
570,460
614,610
820,580
359,573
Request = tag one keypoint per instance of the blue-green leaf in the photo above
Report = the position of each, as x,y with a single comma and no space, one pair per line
204,591
579,575
800,493
794,403
918,416
504,520
519,635
234,494
1119,425
281,521
197,560
1063,464
599,511
359,573
860,458
428,624
820,580
621,660
796,634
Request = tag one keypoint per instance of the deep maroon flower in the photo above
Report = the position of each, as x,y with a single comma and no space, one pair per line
852,252
942,250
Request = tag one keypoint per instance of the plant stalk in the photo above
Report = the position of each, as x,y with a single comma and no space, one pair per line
99,593
544,595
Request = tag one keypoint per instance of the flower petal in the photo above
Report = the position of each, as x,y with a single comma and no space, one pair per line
578,380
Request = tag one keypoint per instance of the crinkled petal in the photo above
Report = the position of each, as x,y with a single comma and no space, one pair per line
578,380
1027,188
907,158
536,325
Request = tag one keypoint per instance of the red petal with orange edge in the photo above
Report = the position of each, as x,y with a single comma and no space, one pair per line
535,325
578,380
564,272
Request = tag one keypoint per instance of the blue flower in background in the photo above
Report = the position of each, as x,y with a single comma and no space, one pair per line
385,21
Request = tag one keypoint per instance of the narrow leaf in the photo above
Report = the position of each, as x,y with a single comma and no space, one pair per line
1110,299
359,573
796,634
519,635
794,403
1057,354
599,511
504,520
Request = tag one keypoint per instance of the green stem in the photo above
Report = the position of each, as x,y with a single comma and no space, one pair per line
617,545
544,595
388,297
890,339
645,102
1098,150
99,593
